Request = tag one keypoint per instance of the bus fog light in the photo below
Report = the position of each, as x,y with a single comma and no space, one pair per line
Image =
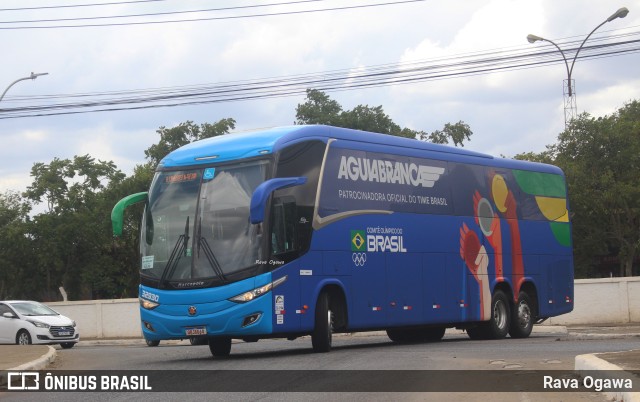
251,319
148,326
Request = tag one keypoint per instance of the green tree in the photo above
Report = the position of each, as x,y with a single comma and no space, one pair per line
319,108
69,239
184,133
14,246
601,160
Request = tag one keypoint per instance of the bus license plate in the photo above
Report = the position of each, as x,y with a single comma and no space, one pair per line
196,331
64,333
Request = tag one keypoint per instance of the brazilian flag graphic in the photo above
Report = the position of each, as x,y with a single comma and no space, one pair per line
358,240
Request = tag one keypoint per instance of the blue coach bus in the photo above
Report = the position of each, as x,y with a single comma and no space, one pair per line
315,230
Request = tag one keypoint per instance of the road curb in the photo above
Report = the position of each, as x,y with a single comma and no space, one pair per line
37,364
587,364
578,335
40,363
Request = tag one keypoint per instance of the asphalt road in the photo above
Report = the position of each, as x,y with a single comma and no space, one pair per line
539,352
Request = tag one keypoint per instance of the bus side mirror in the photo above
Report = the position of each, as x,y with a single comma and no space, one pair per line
118,211
264,190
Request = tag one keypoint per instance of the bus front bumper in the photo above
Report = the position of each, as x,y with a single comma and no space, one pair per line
222,318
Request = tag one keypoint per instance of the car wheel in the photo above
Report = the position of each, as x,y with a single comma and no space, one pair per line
67,345
522,317
220,347
152,343
23,338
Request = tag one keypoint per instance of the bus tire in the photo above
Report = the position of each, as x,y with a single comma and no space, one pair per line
399,335
220,347
323,330
522,317
152,343
498,326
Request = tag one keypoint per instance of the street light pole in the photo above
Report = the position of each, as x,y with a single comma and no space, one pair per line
33,76
570,109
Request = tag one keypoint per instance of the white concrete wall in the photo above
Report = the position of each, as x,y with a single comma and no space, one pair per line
603,301
103,318
596,301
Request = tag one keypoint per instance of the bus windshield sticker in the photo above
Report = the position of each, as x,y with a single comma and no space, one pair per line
180,177
209,173
147,262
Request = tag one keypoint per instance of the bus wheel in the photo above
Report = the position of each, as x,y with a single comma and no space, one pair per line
323,329
220,347
152,343
399,335
522,317
498,325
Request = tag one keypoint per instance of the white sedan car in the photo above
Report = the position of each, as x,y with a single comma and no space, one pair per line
25,322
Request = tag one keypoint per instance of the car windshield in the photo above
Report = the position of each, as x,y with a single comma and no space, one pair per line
32,309
196,225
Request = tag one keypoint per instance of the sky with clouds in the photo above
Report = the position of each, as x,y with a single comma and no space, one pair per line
509,112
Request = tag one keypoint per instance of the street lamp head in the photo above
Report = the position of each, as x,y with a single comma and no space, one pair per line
533,38
621,13
33,75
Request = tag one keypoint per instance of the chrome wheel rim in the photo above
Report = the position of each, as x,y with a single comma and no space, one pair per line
23,339
524,314
500,314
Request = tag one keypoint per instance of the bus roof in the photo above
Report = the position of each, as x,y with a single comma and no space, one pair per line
267,141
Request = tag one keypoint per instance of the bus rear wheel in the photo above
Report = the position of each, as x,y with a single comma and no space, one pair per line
323,330
220,347
522,317
498,326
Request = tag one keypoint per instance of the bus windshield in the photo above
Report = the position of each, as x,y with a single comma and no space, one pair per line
196,230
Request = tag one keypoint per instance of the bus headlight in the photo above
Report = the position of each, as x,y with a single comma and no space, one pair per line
257,292
147,304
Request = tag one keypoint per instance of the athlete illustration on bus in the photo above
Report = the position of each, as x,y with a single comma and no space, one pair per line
314,230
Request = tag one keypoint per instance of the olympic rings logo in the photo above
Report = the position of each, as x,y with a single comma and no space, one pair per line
359,259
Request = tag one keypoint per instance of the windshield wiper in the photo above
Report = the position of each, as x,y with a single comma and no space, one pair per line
204,244
176,253
213,261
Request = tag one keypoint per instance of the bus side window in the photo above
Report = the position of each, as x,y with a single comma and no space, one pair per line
283,227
